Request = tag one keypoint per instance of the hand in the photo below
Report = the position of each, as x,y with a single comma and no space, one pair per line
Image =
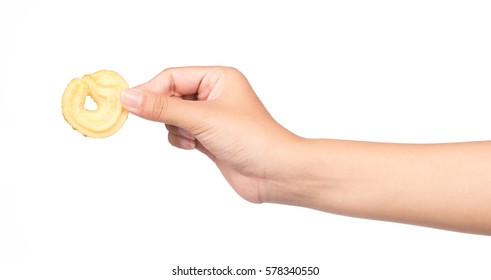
215,110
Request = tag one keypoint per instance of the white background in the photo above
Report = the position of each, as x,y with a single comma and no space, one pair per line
132,207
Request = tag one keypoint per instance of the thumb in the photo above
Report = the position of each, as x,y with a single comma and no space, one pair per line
162,108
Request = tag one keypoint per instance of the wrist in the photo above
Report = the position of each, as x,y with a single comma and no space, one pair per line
306,176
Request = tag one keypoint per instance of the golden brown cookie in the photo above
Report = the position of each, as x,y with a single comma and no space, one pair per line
105,88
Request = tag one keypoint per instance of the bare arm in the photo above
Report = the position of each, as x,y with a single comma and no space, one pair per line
437,185
215,110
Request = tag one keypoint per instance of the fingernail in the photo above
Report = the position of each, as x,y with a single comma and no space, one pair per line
187,144
131,98
186,134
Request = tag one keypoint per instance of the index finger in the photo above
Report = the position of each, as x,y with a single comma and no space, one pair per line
183,81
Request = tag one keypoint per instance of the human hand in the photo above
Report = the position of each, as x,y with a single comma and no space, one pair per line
215,110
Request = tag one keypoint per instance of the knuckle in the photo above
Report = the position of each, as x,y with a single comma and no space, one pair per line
228,70
169,127
159,109
232,73
172,140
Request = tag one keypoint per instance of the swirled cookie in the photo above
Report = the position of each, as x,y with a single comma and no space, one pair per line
105,88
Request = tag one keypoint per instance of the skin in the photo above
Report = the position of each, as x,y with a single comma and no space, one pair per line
215,110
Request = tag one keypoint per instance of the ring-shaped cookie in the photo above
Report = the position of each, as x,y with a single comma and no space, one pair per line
105,88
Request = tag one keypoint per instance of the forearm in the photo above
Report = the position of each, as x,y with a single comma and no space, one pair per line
438,185
443,185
